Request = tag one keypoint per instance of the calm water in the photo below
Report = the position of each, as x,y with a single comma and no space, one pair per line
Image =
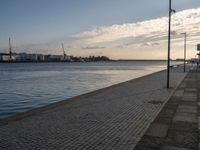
24,86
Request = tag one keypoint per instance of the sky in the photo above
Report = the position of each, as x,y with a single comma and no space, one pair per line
119,29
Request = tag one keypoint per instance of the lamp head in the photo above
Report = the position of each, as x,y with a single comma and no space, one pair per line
173,11
183,33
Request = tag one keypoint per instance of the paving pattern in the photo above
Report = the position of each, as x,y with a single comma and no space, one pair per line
177,125
112,118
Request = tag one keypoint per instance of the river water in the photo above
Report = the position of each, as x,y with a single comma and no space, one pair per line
24,86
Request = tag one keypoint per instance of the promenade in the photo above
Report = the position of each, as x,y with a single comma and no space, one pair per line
115,118
178,124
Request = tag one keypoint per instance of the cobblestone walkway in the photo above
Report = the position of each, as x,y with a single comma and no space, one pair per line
176,126
111,118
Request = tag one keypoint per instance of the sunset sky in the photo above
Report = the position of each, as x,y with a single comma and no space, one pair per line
120,29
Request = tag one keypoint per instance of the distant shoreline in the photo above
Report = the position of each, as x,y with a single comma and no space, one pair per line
51,62
120,60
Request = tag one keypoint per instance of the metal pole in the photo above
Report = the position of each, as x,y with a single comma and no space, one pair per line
169,44
10,50
185,50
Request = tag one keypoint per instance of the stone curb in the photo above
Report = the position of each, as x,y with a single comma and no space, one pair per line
198,104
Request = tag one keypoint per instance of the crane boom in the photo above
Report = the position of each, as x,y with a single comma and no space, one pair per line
64,54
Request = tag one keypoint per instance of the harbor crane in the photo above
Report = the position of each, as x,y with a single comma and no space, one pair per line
64,54
10,50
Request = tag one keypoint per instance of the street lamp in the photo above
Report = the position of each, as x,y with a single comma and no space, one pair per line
185,38
169,41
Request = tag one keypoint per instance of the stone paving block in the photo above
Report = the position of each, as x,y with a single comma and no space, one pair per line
190,89
184,139
140,147
185,117
184,126
189,96
163,120
188,103
157,130
178,93
174,100
174,148
167,113
149,142
187,109
170,106
199,122
190,99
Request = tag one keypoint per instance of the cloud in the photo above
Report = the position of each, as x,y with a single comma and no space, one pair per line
93,47
184,21
150,44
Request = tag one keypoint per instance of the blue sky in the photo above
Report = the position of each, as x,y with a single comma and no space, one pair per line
41,25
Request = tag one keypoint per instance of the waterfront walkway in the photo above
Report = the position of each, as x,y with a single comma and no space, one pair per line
177,125
112,118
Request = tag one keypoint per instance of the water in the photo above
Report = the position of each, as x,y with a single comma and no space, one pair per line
24,86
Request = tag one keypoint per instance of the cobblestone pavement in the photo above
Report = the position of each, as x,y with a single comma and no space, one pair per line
112,118
177,125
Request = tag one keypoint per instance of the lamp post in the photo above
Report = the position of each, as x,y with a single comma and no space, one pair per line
185,46
169,42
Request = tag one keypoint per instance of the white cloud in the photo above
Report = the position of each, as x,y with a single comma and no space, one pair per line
93,47
184,21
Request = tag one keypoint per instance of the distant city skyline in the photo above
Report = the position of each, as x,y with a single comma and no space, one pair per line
119,29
